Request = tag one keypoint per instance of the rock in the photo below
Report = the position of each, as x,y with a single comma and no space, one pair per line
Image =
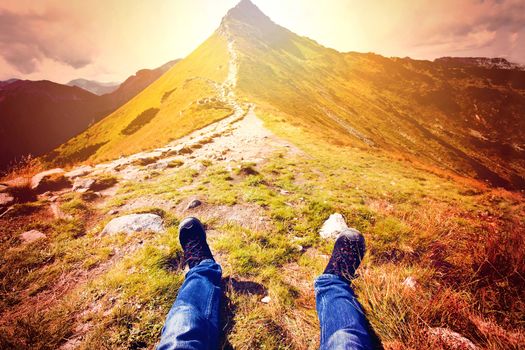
50,180
17,182
83,185
6,200
31,236
284,192
299,248
266,300
451,339
3,187
112,212
410,282
135,223
80,171
194,204
334,226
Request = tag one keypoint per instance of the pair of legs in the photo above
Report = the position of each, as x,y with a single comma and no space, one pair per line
193,321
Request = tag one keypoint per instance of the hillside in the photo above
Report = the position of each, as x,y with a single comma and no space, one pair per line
466,120
189,96
37,116
263,135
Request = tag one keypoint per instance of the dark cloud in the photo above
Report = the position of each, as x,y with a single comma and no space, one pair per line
26,39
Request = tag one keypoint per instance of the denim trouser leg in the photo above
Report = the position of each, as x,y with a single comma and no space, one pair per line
343,323
193,321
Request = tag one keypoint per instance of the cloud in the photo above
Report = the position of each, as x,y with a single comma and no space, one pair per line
28,39
471,25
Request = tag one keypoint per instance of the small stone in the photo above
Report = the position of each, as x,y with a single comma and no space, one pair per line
194,204
299,248
410,282
135,223
451,339
112,212
32,236
284,192
266,300
6,199
83,185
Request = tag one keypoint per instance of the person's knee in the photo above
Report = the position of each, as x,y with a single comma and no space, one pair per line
348,339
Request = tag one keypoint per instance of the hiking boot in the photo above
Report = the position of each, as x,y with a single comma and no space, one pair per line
349,250
192,238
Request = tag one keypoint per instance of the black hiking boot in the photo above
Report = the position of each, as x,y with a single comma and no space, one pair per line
192,238
349,250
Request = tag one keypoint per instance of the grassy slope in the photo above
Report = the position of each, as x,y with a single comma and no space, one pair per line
428,111
175,95
446,234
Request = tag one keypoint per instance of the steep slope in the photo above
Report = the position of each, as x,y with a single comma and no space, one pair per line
189,96
95,87
468,120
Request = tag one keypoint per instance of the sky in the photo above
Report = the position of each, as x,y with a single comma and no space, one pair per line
109,40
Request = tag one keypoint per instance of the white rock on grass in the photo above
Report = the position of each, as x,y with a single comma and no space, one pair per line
451,339
135,223
334,226
266,300
31,236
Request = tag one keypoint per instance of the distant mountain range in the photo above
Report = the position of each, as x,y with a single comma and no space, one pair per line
37,116
94,87
140,78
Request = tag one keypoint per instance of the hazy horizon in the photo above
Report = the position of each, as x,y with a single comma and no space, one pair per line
109,41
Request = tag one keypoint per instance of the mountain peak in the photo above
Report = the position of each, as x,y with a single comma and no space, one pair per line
247,12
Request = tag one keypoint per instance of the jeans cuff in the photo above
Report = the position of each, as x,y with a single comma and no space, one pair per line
206,262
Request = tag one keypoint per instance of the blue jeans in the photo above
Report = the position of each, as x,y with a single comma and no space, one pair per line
193,321
344,325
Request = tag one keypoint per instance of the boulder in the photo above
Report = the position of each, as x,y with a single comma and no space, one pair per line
80,171
451,339
135,223
50,180
194,204
31,236
83,185
334,226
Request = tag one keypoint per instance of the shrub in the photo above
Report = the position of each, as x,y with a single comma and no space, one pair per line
141,120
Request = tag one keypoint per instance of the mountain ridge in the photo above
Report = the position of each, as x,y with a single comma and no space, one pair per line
454,117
